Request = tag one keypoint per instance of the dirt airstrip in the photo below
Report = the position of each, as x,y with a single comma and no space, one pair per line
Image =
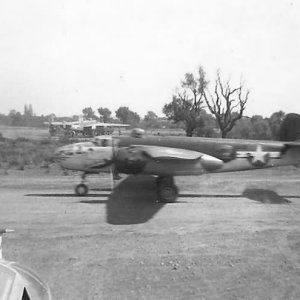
230,236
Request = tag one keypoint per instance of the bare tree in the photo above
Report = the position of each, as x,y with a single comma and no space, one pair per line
227,104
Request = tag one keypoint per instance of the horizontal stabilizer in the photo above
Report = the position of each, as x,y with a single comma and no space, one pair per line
294,144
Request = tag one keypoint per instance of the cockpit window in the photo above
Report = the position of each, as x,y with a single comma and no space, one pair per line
97,143
79,149
102,142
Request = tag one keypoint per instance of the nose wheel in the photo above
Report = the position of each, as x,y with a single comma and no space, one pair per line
81,189
167,191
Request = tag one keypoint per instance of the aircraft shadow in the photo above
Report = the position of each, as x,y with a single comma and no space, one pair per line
67,195
133,201
260,195
266,196
102,189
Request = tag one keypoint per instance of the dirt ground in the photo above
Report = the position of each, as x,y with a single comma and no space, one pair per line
230,236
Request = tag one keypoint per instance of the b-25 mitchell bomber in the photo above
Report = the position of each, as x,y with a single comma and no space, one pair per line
83,127
166,157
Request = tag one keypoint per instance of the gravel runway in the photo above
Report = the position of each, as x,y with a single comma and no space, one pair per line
229,236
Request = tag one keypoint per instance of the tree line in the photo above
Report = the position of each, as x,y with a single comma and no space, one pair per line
195,108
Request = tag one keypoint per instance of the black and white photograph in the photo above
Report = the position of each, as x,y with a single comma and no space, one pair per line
149,149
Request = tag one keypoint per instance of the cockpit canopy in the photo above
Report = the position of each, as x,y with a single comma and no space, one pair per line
102,141
85,147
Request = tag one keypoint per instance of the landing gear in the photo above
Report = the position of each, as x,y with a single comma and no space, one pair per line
82,189
71,134
167,191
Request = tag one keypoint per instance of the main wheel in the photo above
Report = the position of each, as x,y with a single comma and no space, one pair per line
167,194
81,189
164,180
167,191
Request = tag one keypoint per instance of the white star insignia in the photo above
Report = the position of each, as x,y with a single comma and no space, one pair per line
258,158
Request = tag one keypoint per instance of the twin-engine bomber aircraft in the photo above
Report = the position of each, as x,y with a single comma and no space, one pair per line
166,157
83,127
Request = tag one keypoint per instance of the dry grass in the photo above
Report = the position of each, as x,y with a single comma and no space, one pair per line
13,132
21,152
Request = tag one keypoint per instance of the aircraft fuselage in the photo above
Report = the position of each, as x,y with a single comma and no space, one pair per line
237,154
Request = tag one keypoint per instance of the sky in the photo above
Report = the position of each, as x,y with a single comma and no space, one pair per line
61,56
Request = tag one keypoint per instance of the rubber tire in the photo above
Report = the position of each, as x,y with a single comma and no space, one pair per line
71,134
81,189
166,180
167,191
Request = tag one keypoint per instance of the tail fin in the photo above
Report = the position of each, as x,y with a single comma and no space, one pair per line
80,120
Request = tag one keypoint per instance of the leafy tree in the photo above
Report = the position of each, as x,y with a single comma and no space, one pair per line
187,104
208,128
12,112
127,116
290,128
275,122
88,113
105,113
150,116
260,128
16,119
227,104
242,129
254,128
4,119
151,119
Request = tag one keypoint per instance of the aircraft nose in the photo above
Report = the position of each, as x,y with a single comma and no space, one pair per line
60,152
211,163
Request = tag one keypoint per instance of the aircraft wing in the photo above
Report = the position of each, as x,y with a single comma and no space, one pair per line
110,125
99,124
116,125
292,144
156,160
57,123
157,152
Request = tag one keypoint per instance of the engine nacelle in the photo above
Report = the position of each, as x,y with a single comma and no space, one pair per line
130,160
